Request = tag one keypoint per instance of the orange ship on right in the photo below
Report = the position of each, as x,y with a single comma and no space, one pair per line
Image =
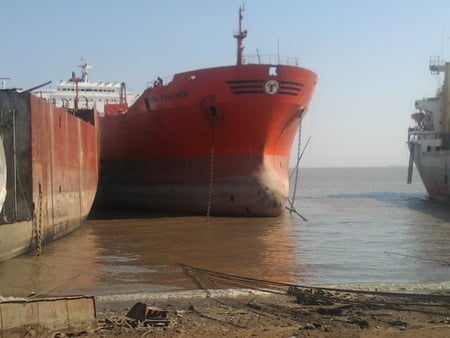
212,141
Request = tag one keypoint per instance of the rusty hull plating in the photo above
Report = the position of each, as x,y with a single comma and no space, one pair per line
50,171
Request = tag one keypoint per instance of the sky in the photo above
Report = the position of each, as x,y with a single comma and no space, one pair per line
371,57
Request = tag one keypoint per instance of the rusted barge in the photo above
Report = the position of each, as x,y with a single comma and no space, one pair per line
48,170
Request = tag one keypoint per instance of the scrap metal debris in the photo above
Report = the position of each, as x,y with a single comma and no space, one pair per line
148,315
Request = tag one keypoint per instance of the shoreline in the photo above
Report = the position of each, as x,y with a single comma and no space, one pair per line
302,312
312,313
235,306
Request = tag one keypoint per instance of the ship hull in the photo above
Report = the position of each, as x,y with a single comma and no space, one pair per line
213,141
49,171
242,189
434,170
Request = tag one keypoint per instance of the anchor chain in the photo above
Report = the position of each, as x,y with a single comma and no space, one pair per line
211,166
39,224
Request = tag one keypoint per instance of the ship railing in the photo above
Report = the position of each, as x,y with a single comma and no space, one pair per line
437,65
421,135
271,59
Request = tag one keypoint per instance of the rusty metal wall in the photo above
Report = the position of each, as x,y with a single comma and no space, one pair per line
65,166
52,158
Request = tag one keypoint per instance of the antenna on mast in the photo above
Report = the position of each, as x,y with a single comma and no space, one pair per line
240,36
278,50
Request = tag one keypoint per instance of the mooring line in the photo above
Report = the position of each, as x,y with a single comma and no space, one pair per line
300,157
291,207
56,286
446,263
296,167
278,286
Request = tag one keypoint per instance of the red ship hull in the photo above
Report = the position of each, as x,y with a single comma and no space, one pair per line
49,171
212,141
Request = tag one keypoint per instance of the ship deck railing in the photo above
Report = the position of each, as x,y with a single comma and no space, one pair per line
420,135
271,60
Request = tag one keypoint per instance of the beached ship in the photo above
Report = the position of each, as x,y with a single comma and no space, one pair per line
79,92
213,141
49,160
429,139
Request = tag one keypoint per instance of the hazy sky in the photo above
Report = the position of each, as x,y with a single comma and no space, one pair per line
371,56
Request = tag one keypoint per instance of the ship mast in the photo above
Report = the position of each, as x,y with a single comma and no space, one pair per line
240,36
76,79
123,93
84,69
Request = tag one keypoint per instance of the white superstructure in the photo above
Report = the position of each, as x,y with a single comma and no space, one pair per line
89,93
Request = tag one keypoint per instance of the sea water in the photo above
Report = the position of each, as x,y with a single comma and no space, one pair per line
360,228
